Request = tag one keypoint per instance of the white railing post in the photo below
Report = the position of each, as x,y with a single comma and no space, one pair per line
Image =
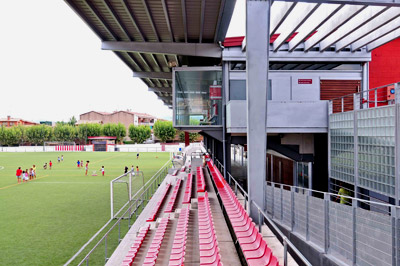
354,220
292,216
111,199
326,222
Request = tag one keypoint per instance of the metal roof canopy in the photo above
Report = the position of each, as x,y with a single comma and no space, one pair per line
333,25
150,37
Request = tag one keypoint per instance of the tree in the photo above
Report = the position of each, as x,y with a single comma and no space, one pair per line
65,133
109,130
120,132
164,130
39,134
72,121
2,136
139,134
94,130
192,136
11,136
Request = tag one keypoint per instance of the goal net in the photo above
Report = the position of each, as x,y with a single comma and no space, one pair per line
123,190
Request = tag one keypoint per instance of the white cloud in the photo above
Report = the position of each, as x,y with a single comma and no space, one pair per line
52,67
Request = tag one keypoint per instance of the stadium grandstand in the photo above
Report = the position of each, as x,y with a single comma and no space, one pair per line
300,121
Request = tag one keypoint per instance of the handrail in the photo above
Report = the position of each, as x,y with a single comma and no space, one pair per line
336,195
138,196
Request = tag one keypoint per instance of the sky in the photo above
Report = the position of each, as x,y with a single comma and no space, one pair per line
52,66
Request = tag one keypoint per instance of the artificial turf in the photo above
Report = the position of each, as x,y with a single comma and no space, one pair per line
45,221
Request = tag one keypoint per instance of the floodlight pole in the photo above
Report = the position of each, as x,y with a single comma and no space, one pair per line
257,46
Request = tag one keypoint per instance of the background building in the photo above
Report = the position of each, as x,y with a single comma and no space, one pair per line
10,122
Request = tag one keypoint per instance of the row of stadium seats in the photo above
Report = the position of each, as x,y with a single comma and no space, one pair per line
130,257
177,256
183,168
158,205
209,251
175,172
172,199
253,246
188,189
201,183
155,245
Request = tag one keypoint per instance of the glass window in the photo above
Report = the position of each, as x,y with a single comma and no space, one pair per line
198,97
237,89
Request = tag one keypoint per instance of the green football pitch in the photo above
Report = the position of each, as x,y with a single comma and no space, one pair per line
47,220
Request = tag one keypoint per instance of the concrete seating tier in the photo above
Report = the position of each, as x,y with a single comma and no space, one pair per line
188,189
253,246
171,201
209,251
155,245
177,256
158,205
201,183
130,257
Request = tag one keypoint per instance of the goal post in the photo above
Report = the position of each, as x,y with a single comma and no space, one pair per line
132,189
123,189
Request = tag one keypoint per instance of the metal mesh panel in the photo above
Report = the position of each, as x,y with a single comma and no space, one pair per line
316,220
269,200
286,212
277,203
374,238
376,149
341,231
300,213
342,146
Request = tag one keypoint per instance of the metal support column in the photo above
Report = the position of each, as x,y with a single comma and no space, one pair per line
397,143
355,136
225,88
257,61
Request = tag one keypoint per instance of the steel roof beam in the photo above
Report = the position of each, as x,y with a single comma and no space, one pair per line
165,98
165,10
352,25
203,6
160,89
371,26
132,19
224,19
98,16
300,14
183,4
146,9
116,18
383,40
354,2
340,18
188,49
313,23
279,12
153,75
377,34
84,18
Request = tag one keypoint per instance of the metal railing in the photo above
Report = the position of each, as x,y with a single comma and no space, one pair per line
376,97
360,232
132,208
262,217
